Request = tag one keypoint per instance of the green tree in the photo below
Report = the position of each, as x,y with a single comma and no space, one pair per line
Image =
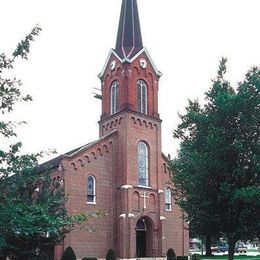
217,180
30,212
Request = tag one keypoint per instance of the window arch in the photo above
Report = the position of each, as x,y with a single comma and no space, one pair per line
114,95
143,162
140,225
168,199
91,190
141,97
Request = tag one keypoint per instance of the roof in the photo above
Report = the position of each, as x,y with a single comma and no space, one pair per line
55,162
143,50
129,37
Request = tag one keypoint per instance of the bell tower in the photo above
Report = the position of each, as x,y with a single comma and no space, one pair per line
130,84
129,78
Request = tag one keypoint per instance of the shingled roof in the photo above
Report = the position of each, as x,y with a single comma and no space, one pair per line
55,162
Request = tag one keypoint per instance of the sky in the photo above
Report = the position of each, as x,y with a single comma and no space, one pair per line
185,38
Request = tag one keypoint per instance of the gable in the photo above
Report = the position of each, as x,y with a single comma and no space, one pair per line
143,50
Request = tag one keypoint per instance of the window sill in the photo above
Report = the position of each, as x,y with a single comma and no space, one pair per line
168,210
91,203
144,187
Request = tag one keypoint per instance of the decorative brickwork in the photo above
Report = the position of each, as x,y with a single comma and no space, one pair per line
138,223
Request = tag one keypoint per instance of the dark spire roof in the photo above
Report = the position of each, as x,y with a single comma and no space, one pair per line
129,37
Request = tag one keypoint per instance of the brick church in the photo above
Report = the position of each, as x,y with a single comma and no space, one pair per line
124,172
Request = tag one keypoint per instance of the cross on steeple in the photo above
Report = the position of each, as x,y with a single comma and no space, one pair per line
129,37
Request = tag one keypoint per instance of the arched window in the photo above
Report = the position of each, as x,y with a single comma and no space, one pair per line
91,190
114,97
168,199
141,97
142,164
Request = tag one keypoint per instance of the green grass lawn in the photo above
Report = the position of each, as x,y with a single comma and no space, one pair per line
235,257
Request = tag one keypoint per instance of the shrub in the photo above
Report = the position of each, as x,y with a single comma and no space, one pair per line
171,254
110,255
68,254
182,257
89,258
196,257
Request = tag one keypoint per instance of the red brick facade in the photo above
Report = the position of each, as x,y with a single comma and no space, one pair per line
112,161
137,223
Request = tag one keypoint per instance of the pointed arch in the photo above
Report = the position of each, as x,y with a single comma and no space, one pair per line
144,237
114,97
168,199
91,190
143,163
142,96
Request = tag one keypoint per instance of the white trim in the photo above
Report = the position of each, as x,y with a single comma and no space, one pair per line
159,74
130,215
91,203
133,24
101,74
126,186
144,187
162,218
122,42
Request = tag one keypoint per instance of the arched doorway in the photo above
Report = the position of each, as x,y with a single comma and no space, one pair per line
144,237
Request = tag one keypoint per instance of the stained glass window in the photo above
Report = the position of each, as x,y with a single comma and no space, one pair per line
142,164
91,189
141,97
114,97
168,199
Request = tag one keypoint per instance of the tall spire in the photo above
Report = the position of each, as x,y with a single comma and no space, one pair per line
129,37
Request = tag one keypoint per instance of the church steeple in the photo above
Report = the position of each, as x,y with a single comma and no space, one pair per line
129,37
129,78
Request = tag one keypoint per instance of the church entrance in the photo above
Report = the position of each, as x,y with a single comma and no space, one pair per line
144,237
141,243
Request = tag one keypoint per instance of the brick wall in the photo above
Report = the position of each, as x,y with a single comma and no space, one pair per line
96,161
113,162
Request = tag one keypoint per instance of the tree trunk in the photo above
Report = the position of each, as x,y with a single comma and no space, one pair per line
231,249
208,246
